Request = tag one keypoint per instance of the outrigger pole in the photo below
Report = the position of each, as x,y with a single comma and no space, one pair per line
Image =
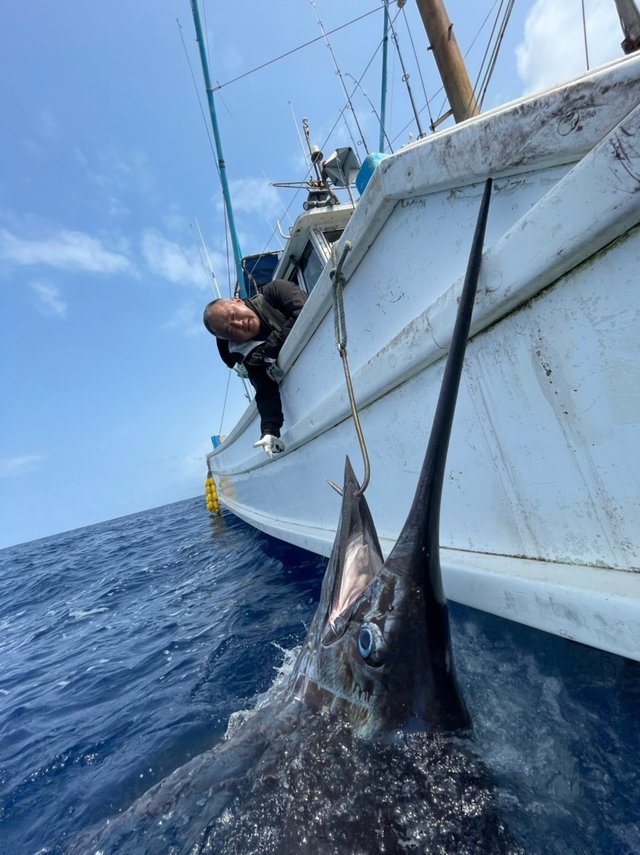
222,170
383,94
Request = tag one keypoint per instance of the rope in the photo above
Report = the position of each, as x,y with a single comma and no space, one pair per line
340,327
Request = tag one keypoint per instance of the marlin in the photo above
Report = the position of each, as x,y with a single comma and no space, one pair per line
334,757
378,651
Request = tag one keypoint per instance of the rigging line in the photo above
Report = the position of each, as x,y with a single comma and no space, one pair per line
584,34
415,56
305,152
292,51
224,403
204,266
197,91
473,41
340,75
441,88
371,104
405,79
481,71
206,252
496,49
368,65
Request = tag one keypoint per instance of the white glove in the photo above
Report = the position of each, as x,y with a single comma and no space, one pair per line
272,445
273,370
241,371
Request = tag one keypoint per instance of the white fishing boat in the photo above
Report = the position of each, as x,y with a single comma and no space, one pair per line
541,509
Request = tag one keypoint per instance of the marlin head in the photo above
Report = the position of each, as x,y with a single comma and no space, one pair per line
378,650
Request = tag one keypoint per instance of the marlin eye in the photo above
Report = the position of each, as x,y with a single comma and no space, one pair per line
371,644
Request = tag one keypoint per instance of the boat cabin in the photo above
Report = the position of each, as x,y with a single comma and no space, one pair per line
306,253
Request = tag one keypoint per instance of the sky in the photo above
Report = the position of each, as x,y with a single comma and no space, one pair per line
110,388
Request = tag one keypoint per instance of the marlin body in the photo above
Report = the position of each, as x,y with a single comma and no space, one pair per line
312,769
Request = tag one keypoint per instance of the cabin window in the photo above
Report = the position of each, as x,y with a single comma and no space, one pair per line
310,267
332,236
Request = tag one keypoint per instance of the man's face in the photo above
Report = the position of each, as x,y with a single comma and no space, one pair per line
234,321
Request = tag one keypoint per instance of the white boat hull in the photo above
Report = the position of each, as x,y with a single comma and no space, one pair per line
541,509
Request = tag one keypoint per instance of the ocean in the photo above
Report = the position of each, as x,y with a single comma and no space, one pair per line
126,646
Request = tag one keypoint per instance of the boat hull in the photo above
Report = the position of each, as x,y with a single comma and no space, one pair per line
541,508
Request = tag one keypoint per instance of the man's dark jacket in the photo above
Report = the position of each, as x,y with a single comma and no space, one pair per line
277,306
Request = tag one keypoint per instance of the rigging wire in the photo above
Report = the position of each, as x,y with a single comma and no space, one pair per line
214,282
364,92
224,403
478,86
293,50
197,91
415,56
340,114
482,89
405,79
440,90
340,75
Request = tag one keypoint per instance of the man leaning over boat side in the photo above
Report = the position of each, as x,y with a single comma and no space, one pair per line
250,332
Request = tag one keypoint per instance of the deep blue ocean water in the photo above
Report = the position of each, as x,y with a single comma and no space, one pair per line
125,647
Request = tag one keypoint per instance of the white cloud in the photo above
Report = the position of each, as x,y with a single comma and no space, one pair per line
193,463
118,175
255,196
10,466
49,301
553,46
169,259
186,320
63,250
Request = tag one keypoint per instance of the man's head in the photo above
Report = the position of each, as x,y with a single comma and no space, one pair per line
231,320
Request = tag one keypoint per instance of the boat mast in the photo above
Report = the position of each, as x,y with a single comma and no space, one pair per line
222,170
630,22
448,58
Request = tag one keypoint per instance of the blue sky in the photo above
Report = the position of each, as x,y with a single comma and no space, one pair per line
109,386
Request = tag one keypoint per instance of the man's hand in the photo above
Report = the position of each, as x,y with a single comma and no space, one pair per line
273,370
272,445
